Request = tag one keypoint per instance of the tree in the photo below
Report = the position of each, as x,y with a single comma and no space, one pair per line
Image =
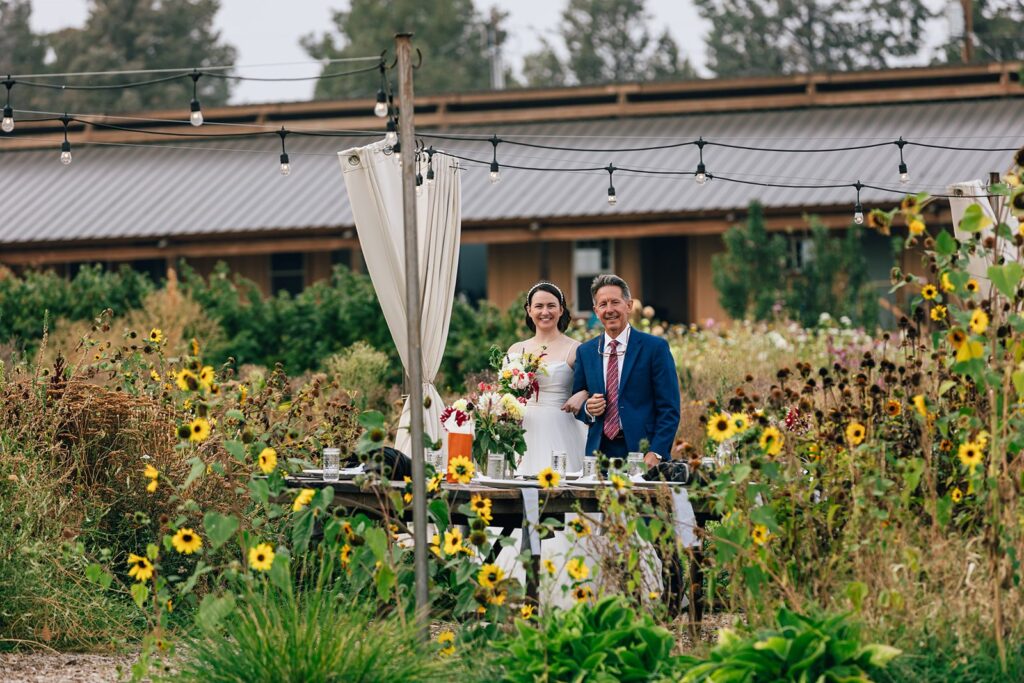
607,41
996,30
451,34
757,276
771,37
122,35
21,50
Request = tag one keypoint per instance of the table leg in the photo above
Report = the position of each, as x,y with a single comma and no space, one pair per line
533,580
696,589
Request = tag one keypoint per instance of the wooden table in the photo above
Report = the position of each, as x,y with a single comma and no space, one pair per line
507,511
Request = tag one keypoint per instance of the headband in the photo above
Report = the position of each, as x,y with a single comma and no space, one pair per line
561,297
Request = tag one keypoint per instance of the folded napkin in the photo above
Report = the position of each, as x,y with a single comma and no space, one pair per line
685,521
531,519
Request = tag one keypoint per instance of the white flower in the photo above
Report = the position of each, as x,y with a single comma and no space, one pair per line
461,404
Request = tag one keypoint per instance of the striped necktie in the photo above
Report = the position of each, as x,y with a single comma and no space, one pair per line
611,415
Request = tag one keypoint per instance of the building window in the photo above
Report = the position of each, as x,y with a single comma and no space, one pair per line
799,251
155,268
471,277
341,257
589,259
287,272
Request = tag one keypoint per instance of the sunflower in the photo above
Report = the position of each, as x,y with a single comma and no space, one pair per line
969,351
580,526
720,427
970,454
490,575
346,554
199,430
916,226
268,460
956,495
910,204
1018,157
461,468
453,542
154,375
407,493
435,545
920,405
497,598
740,422
929,292
938,313
261,557
893,408
1017,202
577,569
150,472
139,567
760,534
186,380
620,483
156,335
583,593
550,567
206,376
548,478
186,541
447,640
855,433
526,612
481,506
303,499
1012,179
151,486
434,483
979,321
771,441
956,338
972,286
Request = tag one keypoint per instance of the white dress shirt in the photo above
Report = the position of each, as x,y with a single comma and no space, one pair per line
620,356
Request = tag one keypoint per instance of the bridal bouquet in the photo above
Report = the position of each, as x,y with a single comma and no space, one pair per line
518,375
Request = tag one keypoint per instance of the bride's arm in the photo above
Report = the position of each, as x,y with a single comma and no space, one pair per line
575,402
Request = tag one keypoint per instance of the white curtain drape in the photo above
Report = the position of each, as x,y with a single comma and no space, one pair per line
973,192
374,182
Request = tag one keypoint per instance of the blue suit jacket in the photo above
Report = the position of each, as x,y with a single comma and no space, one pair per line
648,391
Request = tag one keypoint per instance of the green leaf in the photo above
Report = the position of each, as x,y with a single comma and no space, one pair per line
236,449
1006,278
974,219
385,582
219,528
260,490
945,245
1018,382
198,470
377,542
302,531
93,572
213,609
234,414
439,513
152,550
140,593
879,655
281,572
856,591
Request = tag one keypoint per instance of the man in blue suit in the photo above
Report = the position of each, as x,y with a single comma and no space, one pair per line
631,380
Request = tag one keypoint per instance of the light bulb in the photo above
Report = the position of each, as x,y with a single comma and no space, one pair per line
495,173
391,138
612,199
419,190
196,117
701,177
286,167
904,175
65,153
430,174
858,215
8,123
381,108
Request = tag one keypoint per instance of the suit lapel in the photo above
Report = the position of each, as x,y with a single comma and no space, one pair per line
633,349
598,367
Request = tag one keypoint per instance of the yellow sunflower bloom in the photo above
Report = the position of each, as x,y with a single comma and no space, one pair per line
199,430
550,567
453,542
139,567
938,313
447,640
956,338
268,460
893,408
855,433
971,454
435,545
151,486
947,284
972,286
548,478
740,422
920,405
156,335
620,483
771,441
481,506
303,499
720,427
186,541
186,380
929,292
526,612
261,557
583,593
577,569
916,226
497,598
150,472
206,376
490,575
979,321
969,351
346,554
580,527
956,495
461,468
760,534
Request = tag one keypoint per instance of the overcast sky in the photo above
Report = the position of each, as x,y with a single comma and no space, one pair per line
268,31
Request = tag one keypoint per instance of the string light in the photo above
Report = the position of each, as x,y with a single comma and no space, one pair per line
381,108
391,136
904,174
858,209
612,199
7,125
430,164
419,176
65,147
396,149
195,117
701,175
286,167
495,174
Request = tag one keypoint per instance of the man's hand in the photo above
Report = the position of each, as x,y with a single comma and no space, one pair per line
596,405
651,459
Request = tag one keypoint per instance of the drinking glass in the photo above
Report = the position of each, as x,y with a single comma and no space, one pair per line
496,465
435,458
635,460
332,460
589,466
558,461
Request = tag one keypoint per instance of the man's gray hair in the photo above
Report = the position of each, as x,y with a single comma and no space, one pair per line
609,279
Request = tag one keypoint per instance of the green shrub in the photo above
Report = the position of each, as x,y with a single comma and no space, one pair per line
799,648
606,641
363,372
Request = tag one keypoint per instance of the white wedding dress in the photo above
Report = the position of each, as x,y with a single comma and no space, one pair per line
547,427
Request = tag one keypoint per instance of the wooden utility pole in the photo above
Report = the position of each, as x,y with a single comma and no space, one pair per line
967,50
407,137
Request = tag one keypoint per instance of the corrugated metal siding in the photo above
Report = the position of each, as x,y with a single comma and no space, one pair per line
151,192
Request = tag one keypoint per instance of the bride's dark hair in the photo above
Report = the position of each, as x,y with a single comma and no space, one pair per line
563,320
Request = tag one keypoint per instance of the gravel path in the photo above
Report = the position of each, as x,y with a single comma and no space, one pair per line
63,667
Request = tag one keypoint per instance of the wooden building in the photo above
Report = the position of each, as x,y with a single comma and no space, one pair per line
133,197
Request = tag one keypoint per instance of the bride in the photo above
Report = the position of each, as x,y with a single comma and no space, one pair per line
550,421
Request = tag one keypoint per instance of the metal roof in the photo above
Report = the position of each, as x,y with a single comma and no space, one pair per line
196,188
